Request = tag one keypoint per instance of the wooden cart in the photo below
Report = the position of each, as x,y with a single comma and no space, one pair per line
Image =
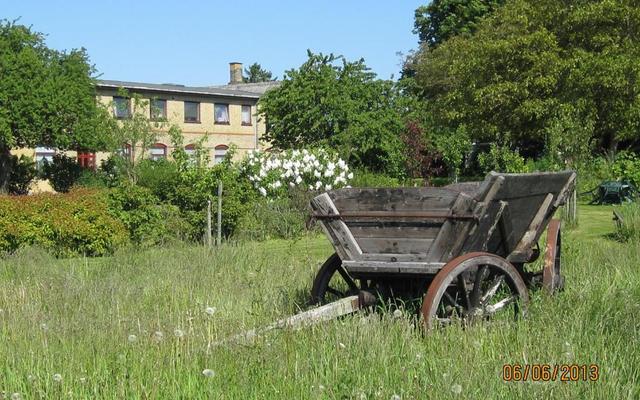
461,248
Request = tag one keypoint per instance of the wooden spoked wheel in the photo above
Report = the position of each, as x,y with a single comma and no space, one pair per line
333,282
552,281
473,287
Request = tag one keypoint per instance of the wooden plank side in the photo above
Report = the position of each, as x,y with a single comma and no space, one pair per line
450,238
341,238
372,267
531,235
409,230
394,245
393,199
527,185
392,258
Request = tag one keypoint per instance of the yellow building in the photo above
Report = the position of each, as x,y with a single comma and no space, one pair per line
225,115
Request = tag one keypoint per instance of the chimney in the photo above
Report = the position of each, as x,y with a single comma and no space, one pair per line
235,72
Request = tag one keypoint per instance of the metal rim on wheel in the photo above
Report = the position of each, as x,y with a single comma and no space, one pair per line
552,281
477,280
322,288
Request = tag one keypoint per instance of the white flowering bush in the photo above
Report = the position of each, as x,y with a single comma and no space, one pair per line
271,174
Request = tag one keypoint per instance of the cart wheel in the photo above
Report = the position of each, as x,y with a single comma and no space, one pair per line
551,278
472,287
333,282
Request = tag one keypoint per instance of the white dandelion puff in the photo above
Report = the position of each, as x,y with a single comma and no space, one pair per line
16,396
57,377
396,397
158,336
210,310
397,313
456,389
342,345
208,373
132,338
179,333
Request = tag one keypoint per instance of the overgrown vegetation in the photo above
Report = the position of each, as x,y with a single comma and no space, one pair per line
628,226
148,324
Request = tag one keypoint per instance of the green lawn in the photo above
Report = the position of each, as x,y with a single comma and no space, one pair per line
97,323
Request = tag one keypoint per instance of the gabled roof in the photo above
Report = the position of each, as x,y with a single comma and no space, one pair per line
179,89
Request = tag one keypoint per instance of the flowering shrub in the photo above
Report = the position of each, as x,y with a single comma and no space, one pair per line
271,174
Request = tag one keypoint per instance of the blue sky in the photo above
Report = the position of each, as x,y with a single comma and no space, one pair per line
192,42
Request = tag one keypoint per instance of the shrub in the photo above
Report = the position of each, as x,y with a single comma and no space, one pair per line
364,178
501,159
628,229
147,221
23,171
91,179
627,167
272,174
62,173
157,175
272,219
77,223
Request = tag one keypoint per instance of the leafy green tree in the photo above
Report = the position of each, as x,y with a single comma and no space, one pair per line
47,97
540,76
442,19
255,73
331,101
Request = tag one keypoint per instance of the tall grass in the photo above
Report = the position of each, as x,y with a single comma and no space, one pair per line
95,322
628,227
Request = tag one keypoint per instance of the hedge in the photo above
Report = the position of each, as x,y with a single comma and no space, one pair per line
75,223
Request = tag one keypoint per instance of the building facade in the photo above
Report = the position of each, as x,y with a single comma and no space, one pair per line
216,116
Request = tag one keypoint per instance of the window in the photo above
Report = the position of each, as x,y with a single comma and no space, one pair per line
190,149
219,153
221,113
87,159
246,115
191,111
158,109
121,107
158,152
44,155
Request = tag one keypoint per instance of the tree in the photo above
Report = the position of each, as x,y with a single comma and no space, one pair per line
442,19
255,73
549,76
47,97
333,102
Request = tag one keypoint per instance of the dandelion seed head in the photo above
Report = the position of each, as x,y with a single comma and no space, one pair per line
44,326
342,345
396,397
158,336
16,396
210,310
456,389
208,373
179,333
31,377
321,387
397,313
57,377
132,338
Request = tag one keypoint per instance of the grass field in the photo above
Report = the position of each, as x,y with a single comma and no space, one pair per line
145,325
